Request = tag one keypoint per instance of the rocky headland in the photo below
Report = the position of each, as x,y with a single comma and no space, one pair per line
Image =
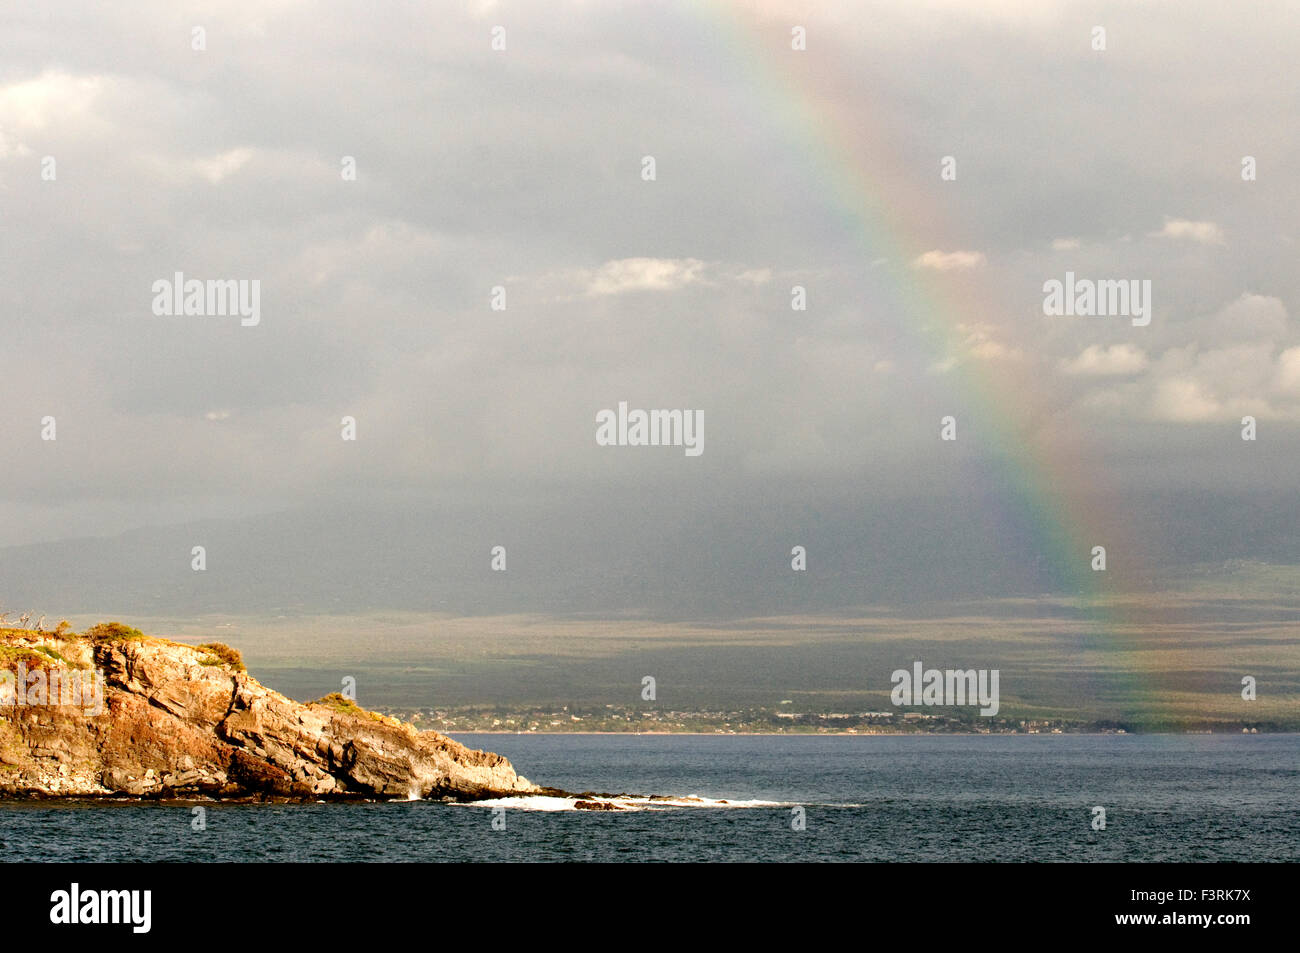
111,713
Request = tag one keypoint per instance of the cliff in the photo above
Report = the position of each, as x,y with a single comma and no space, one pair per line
114,713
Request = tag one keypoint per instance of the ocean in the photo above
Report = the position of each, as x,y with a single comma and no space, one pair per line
789,798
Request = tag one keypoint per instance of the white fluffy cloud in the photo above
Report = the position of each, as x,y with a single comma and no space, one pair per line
54,97
1240,359
641,274
1113,361
217,167
1207,233
949,260
1287,381
1183,400
982,341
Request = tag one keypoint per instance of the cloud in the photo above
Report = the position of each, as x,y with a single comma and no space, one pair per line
10,146
1237,360
1287,379
1250,318
641,274
217,167
949,260
53,98
1189,386
375,291
980,342
1207,233
630,275
1113,361
1183,400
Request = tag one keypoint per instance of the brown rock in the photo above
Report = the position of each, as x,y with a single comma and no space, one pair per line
174,727
596,806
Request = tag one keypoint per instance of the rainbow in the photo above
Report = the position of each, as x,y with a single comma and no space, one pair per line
1046,471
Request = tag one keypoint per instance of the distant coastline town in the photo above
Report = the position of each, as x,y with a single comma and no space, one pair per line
616,719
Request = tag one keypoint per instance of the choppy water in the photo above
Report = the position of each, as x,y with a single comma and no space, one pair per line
914,798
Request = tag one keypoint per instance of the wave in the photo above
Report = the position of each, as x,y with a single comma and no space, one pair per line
620,802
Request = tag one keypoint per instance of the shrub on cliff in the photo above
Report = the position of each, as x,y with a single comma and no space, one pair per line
223,654
346,706
113,632
340,703
11,655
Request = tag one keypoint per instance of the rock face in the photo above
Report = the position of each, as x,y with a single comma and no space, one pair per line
175,721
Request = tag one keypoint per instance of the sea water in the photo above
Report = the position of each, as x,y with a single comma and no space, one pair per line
852,798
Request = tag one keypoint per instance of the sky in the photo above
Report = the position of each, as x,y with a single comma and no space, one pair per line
133,147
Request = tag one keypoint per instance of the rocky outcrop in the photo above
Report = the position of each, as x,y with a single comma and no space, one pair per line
180,721
585,805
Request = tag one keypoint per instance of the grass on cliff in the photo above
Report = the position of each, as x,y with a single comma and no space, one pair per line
104,633
11,655
346,706
113,632
34,656
219,653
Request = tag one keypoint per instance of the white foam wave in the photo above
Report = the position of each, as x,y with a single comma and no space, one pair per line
620,803
526,803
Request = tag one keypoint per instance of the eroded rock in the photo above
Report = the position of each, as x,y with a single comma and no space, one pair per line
173,724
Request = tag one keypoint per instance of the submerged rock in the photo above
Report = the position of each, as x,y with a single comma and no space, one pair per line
583,805
181,721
